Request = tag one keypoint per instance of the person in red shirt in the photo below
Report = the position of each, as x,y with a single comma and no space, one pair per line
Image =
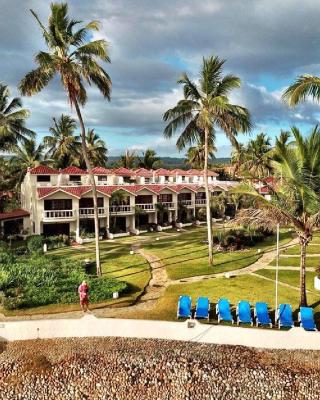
83,291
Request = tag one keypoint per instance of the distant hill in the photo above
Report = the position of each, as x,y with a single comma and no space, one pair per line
173,162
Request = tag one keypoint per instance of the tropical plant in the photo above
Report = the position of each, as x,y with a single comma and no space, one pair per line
118,198
27,155
238,158
128,159
12,120
305,86
258,158
161,210
295,201
97,150
218,204
204,108
149,160
137,212
75,58
195,156
63,145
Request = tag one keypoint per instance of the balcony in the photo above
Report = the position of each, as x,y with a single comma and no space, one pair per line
89,212
187,203
123,209
54,215
146,207
170,205
201,202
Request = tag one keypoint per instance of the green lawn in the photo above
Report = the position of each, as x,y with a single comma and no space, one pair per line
244,287
186,255
311,262
116,261
313,248
290,277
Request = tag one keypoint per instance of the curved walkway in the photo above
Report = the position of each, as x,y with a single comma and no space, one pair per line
90,326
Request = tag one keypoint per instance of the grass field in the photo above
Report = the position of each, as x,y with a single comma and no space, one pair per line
186,255
311,262
289,277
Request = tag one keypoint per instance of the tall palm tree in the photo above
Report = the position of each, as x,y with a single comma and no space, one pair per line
258,157
12,120
75,58
27,155
149,160
97,149
161,210
117,199
296,200
238,158
63,145
204,108
128,159
7,175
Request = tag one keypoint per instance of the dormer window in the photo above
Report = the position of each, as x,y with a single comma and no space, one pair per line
102,178
166,178
43,178
75,178
183,178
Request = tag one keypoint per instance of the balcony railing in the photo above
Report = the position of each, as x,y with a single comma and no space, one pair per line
200,202
186,203
169,205
146,207
89,212
59,214
123,209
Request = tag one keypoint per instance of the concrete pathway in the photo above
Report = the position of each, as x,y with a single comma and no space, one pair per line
90,326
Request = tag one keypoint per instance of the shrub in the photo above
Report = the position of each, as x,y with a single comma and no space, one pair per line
35,244
36,280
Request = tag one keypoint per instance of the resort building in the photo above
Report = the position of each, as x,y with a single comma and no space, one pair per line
61,202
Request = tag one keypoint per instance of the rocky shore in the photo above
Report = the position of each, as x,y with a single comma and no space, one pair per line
125,369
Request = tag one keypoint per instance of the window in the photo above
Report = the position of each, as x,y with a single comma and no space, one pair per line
165,198
144,199
183,178
87,202
43,178
200,195
146,180
58,204
102,178
166,178
75,178
184,196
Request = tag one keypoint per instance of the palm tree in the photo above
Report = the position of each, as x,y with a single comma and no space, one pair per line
161,210
27,155
218,204
296,200
117,199
137,212
195,156
12,120
238,158
128,159
7,175
258,157
149,160
63,145
304,86
74,58
97,149
204,108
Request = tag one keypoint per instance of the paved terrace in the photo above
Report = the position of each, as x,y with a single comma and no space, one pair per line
90,326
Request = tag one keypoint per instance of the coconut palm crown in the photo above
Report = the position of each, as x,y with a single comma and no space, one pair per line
205,108
295,201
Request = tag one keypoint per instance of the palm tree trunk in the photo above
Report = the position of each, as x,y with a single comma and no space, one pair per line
303,251
93,184
206,185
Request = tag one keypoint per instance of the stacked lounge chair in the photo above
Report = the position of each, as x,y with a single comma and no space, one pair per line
202,308
306,319
244,313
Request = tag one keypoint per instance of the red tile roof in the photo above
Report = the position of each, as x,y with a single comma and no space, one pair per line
194,172
144,172
73,171
43,170
123,172
164,172
19,213
101,171
179,171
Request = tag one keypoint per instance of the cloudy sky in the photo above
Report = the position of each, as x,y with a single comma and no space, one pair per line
266,43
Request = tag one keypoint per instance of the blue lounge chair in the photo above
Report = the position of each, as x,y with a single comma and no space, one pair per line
244,313
261,314
223,311
306,319
184,307
284,316
202,308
